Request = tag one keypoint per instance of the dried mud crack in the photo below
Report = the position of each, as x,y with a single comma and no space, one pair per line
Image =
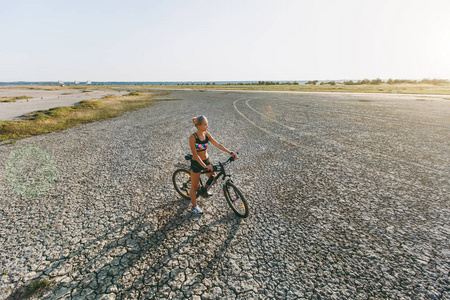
348,198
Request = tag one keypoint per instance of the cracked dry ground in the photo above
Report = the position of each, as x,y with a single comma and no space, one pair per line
348,196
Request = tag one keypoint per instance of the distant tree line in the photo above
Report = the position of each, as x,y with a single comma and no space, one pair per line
247,83
314,82
396,81
192,83
379,81
265,83
349,82
276,83
365,81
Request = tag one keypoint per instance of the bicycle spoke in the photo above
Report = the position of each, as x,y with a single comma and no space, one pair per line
182,182
236,200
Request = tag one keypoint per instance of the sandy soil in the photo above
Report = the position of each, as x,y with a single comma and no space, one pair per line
43,100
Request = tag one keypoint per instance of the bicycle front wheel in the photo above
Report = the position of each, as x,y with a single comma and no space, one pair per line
182,182
235,199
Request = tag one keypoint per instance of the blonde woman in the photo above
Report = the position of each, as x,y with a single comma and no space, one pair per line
199,142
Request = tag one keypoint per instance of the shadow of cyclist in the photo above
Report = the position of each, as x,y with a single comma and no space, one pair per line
156,277
95,273
21,292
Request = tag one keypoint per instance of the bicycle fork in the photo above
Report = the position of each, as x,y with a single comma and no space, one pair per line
228,193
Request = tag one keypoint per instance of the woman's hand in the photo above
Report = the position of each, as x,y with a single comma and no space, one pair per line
234,155
210,168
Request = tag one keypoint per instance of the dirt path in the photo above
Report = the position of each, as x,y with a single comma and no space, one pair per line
43,100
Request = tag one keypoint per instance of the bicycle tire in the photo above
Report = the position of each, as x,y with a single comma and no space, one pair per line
181,179
235,199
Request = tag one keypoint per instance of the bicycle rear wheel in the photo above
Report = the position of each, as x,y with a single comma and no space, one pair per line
182,182
235,199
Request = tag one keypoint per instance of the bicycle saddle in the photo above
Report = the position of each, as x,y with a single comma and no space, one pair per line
188,156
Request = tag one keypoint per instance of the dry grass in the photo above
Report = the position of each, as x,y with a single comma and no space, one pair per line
61,118
13,99
401,88
404,88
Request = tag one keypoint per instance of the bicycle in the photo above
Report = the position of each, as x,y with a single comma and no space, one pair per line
181,179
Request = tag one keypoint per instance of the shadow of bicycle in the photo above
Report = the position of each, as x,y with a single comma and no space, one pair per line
139,256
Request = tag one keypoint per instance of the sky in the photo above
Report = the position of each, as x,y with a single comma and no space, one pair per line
208,40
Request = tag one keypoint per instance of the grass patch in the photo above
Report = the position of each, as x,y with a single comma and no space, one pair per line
166,99
163,93
47,88
109,96
61,118
36,287
13,99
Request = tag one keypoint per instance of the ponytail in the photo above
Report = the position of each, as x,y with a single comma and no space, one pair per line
198,120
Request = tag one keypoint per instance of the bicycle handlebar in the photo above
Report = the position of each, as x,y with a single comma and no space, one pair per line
217,167
229,160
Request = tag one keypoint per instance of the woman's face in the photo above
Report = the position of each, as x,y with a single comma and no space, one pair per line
203,126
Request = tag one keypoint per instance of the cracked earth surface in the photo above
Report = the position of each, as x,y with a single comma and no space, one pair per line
348,196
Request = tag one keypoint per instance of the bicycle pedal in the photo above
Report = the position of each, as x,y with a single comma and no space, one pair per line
204,193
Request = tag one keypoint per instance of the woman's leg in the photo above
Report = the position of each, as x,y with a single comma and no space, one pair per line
207,184
209,177
195,179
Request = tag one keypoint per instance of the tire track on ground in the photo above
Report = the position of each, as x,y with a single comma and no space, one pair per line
365,151
338,159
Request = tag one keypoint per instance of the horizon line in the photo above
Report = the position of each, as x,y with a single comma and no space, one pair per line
212,81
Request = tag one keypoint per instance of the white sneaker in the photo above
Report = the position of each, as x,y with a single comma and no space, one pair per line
197,210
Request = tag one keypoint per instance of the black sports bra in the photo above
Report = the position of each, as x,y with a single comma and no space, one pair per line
201,145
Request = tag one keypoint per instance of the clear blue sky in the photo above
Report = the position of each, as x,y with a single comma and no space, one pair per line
175,40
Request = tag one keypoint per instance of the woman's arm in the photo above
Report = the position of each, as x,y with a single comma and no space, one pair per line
220,146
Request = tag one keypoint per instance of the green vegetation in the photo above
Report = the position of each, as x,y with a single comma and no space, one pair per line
400,88
87,111
377,81
329,82
364,81
397,86
398,81
271,83
35,287
13,99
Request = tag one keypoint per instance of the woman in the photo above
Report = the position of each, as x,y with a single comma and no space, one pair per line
199,143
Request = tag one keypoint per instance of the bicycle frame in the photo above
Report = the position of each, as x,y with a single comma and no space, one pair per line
219,167
233,195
